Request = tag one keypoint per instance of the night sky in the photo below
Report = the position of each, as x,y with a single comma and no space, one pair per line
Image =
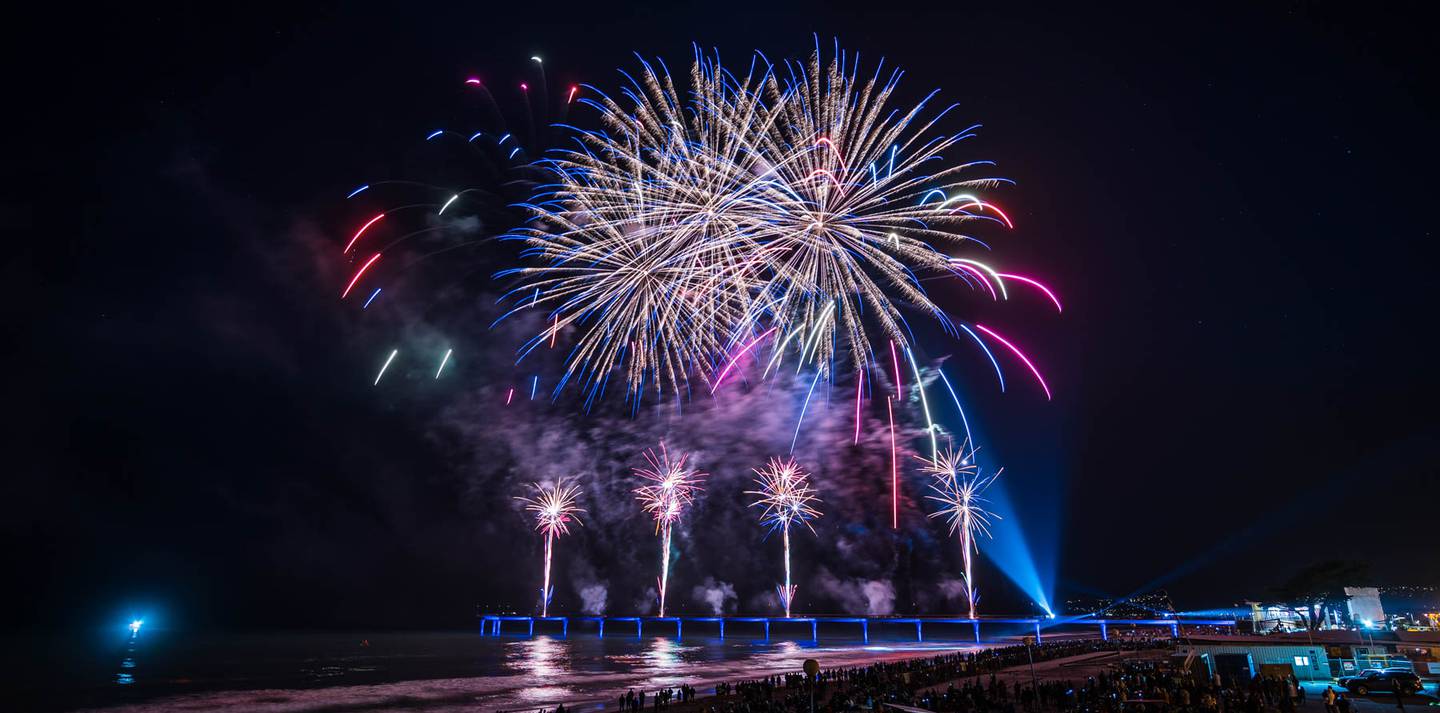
1235,205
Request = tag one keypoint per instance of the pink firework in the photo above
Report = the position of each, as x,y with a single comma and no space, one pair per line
787,498
669,488
958,485
554,508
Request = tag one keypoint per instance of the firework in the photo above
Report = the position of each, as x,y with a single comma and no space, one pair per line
554,508
787,498
421,229
670,487
796,201
958,486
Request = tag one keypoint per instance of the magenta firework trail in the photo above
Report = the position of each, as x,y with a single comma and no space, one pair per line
670,487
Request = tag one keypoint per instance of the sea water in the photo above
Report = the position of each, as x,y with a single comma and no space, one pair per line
431,670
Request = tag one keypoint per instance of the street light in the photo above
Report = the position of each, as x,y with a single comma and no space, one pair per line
1033,682
812,670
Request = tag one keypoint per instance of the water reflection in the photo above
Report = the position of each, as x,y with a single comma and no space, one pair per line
123,678
541,657
541,660
663,654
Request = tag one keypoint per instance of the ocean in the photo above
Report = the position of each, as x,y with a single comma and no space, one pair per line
159,670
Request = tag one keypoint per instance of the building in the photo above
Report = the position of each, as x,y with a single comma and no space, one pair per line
1316,656
1365,607
1241,658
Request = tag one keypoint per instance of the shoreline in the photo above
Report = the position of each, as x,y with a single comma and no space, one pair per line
595,692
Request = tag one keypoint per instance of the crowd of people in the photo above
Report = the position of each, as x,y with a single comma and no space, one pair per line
967,683
903,682
1145,685
633,701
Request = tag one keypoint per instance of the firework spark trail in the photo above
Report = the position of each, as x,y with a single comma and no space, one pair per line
895,358
925,404
362,230
999,375
669,488
445,360
1023,359
859,392
958,485
956,397
385,366
787,498
1037,285
555,508
894,468
461,205
743,351
803,408
358,274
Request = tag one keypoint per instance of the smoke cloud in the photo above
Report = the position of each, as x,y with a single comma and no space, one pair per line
716,595
953,590
593,598
871,596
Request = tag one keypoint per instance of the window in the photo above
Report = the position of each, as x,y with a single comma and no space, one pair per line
1302,661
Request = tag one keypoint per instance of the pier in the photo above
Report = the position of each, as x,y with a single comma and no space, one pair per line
491,624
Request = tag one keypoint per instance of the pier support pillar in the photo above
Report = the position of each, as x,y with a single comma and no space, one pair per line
767,630
565,627
1037,631
814,630
919,633
722,629
679,629
532,626
1104,632
976,624
602,628
1174,630
637,627
865,630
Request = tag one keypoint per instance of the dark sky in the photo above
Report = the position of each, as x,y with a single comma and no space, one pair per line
1236,205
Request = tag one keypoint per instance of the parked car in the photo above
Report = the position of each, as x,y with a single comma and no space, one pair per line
1382,681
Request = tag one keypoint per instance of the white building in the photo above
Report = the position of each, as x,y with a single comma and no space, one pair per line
1365,609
